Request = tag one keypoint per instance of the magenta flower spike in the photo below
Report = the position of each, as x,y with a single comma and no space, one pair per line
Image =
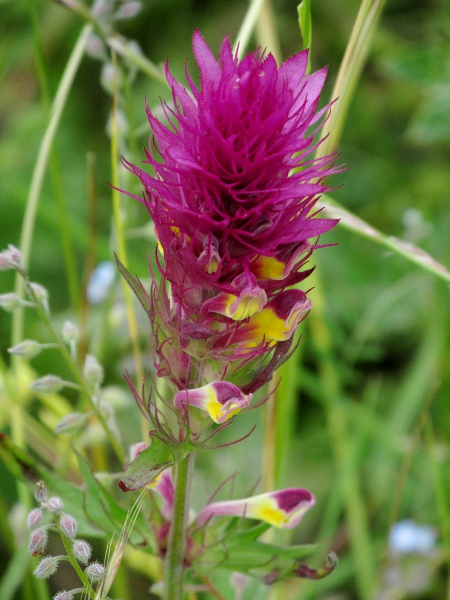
232,191
221,399
284,508
226,190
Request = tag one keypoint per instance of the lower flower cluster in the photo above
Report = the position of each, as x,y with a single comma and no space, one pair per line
224,529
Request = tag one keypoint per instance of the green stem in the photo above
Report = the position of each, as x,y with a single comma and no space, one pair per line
79,379
73,561
350,70
247,27
440,492
173,567
120,234
63,217
414,254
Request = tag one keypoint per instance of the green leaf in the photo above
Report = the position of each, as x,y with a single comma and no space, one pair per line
242,552
17,461
26,468
135,285
152,461
305,22
15,573
103,510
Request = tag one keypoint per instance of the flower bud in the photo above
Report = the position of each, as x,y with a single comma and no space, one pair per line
63,595
11,258
82,551
54,505
47,567
95,47
41,295
49,384
34,518
68,525
128,10
71,422
95,571
105,408
28,349
120,125
110,77
10,302
93,371
41,492
100,9
38,541
70,332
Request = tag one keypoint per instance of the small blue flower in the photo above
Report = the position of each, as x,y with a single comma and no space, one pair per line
100,282
406,537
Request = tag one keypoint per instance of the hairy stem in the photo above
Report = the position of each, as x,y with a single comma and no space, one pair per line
173,567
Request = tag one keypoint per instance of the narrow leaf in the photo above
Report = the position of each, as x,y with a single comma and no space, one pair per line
135,285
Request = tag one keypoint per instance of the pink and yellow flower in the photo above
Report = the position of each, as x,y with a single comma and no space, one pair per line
283,508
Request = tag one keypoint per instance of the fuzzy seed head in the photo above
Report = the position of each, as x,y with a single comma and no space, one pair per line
95,572
82,551
9,302
63,595
28,349
40,292
38,541
68,526
46,567
49,384
11,258
54,504
34,518
93,371
41,492
71,422
70,333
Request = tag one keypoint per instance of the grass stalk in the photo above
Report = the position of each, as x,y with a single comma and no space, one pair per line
341,441
247,27
121,244
40,168
61,206
441,494
350,70
266,31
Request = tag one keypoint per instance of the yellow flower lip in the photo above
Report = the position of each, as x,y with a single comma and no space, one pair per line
277,321
222,400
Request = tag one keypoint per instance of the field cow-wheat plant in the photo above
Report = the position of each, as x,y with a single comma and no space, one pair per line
224,369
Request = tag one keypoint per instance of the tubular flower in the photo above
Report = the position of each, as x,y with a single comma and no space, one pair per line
231,192
222,400
284,508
